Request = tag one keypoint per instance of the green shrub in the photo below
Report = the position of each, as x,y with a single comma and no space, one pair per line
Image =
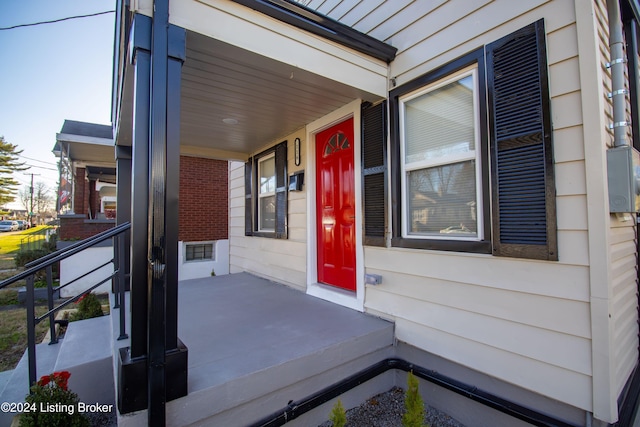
414,406
8,296
25,257
338,415
88,307
52,392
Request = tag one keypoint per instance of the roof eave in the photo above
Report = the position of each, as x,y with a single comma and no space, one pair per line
319,24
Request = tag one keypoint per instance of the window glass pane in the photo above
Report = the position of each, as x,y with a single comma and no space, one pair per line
440,122
199,251
268,175
442,200
268,213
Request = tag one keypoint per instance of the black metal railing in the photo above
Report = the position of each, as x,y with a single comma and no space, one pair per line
47,262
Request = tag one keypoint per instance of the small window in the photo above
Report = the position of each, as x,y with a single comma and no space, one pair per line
267,193
198,251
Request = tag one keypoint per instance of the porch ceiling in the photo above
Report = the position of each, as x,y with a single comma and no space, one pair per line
268,99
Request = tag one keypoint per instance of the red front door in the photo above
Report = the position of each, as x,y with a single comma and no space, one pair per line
335,206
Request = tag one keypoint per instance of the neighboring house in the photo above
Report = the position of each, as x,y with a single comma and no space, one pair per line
87,205
441,164
86,195
86,199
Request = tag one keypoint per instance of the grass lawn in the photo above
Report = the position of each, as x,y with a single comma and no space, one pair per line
13,335
13,320
10,244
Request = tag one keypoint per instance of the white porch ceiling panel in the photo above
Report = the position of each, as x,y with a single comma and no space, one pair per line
269,76
267,98
272,77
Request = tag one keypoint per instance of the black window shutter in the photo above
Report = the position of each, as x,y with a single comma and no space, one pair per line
281,190
374,172
248,200
523,184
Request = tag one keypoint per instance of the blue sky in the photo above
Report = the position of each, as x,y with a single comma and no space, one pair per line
50,73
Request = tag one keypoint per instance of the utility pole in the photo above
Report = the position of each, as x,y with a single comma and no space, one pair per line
31,191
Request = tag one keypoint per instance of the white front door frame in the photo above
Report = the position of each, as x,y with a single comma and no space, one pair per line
330,293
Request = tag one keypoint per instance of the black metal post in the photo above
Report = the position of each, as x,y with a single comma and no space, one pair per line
52,316
122,243
154,369
31,331
140,197
117,267
171,197
157,194
123,214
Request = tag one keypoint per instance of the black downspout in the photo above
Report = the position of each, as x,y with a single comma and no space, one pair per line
297,408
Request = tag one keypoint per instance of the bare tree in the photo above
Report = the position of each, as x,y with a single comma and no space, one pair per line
42,198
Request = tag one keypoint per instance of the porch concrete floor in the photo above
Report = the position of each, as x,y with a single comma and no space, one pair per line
237,324
254,345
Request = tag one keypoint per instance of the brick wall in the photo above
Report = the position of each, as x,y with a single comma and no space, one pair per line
94,199
77,227
81,193
204,199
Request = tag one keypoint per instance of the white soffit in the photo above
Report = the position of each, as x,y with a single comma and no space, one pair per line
256,32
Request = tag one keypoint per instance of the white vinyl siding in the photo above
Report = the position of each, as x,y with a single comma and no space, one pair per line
282,260
455,312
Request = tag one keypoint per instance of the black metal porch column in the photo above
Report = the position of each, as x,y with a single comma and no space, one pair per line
167,54
154,369
123,192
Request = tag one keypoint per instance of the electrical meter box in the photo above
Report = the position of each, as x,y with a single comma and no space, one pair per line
623,173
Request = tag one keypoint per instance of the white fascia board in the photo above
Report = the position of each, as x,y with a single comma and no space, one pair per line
82,139
144,7
247,29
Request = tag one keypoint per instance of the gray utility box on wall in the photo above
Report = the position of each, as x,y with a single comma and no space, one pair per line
623,164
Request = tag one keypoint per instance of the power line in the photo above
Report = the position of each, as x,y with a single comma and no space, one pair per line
40,167
56,20
36,160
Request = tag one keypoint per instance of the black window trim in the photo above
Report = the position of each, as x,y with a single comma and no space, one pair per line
478,246
251,198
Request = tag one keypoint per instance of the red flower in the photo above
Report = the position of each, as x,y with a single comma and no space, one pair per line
44,380
61,378
81,298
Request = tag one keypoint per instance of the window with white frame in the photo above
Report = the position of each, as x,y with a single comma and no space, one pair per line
267,193
265,187
441,162
471,155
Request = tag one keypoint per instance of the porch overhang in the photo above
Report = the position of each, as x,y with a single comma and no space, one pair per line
248,78
86,144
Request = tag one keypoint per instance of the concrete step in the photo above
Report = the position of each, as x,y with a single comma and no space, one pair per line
17,387
5,376
86,352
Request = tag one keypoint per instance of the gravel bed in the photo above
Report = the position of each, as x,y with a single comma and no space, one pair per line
386,409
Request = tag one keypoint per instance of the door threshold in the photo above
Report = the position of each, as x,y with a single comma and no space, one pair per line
336,295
